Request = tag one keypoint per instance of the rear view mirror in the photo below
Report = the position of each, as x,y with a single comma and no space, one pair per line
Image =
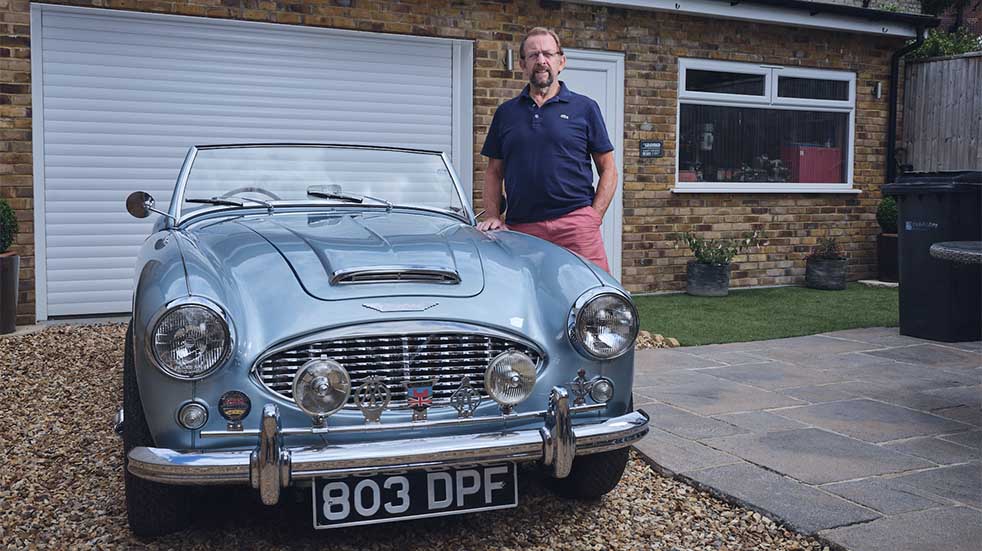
140,204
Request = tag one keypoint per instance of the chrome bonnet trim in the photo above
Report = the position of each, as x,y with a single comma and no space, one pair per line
271,466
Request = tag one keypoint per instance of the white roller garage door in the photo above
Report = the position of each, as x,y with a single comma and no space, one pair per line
120,96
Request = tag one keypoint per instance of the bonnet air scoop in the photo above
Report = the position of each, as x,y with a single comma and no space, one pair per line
395,275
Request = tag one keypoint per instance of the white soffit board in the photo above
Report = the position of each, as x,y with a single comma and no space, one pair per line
120,96
765,14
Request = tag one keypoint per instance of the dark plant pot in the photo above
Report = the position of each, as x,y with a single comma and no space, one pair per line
826,273
886,256
707,280
9,275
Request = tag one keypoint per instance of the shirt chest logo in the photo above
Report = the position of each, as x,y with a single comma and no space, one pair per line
564,116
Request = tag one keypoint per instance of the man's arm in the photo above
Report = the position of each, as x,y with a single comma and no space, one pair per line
607,167
493,177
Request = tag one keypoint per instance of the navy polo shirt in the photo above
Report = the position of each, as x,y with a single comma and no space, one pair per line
546,152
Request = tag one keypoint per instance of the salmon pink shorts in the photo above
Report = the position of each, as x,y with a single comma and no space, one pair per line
578,231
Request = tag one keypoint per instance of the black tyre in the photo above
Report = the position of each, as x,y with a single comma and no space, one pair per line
593,475
152,509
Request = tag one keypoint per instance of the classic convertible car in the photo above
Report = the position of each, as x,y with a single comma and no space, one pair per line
327,319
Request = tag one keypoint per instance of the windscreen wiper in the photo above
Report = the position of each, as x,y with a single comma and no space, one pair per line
349,197
228,201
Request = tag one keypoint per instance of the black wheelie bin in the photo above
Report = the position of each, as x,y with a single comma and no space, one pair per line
940,300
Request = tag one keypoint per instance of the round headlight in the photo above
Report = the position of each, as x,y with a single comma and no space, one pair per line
192,415
510,377
606,326
321,387
190,341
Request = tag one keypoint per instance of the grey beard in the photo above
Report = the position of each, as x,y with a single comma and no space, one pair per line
545,86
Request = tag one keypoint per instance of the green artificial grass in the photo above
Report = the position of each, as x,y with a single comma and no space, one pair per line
760,314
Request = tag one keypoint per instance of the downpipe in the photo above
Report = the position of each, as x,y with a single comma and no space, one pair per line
894,92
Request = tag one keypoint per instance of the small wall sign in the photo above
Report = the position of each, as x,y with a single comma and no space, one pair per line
651,148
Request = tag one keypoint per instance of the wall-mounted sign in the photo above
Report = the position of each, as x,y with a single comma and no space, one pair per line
651,148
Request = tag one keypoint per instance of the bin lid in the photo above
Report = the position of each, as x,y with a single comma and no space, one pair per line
964,181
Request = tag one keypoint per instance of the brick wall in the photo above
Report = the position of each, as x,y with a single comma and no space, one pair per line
651,41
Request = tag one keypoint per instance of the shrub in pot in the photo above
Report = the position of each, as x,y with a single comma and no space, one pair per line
709,274
827,266
886,242
9,269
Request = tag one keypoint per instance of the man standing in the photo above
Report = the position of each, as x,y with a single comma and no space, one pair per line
541,144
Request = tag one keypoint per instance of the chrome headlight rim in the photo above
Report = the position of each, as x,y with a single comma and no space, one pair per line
185,302
581,303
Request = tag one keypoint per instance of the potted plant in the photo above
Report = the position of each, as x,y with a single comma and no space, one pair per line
708,275
9,269
886,242
826,267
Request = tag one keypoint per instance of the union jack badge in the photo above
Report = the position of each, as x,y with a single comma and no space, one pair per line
419,397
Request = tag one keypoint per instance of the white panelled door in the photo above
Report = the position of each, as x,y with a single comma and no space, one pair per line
120,96
600,75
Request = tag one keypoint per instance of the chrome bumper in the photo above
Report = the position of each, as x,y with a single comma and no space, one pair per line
272,466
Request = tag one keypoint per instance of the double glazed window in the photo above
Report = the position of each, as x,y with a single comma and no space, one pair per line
747,127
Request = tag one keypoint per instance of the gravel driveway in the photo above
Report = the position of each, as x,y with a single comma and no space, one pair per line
61,482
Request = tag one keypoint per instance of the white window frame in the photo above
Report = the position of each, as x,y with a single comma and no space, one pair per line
770,100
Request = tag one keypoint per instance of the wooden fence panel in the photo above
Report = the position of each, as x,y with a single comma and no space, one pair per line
943,113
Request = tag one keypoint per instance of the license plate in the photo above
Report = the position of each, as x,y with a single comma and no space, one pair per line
415,494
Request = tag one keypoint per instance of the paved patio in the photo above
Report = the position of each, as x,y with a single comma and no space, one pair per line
867,438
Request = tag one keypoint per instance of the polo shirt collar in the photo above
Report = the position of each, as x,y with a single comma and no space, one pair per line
563,95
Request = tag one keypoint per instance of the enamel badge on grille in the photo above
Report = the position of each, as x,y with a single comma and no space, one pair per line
465,399
372,397
419,397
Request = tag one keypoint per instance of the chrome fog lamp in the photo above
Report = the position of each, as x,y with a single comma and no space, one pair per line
192,416
603,326
190,340
602,390
321,387
510,378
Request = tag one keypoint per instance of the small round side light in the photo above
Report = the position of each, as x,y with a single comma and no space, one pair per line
192,416
602,391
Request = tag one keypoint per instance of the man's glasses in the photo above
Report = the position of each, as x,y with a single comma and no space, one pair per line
534,56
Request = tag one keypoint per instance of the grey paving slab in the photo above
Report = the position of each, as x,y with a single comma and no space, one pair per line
872,421
933,355
963,414
710,395
842,360
970,439
882,336
676,454
939,451
729,357
970,396
815,344
688,425
946,529
884,495
961,483
895,393
920,377
760,421
816,456
802,507
666,359
817,394
772,375
651,378
641,400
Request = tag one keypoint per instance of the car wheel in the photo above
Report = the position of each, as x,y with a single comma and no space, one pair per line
593,475
152,509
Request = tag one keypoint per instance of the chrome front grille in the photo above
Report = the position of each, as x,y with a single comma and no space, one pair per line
445,357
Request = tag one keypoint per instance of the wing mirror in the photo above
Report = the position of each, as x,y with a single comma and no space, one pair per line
140,204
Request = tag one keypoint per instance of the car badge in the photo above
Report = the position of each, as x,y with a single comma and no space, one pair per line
234,406
419,397
400,306
372,397
465,399
580,388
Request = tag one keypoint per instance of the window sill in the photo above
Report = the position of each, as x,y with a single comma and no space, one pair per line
725,187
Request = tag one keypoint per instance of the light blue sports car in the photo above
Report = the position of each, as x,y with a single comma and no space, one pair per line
327,319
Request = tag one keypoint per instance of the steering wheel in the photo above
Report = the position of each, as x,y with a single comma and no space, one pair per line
250,189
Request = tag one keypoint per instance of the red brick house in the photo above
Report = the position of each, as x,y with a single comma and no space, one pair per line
757,114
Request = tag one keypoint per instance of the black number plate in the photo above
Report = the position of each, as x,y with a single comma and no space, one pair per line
415,494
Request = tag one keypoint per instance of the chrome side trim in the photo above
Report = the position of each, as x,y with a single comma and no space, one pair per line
300,463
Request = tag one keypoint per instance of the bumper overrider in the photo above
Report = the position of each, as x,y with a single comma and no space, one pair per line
272,466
